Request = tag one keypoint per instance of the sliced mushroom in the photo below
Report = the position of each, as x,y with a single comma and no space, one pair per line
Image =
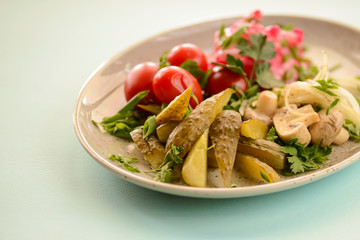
325,131
293,123
267,103
266,106
342,137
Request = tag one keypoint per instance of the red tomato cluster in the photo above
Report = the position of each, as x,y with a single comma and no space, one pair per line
166,83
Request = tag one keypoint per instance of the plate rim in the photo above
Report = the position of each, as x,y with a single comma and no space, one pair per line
188,191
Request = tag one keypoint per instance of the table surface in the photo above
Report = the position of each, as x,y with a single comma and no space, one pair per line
52,189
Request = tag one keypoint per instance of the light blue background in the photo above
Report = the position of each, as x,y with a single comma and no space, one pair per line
50,188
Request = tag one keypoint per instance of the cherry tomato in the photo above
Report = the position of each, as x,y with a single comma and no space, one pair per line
187,51
171,81
223,78
140,79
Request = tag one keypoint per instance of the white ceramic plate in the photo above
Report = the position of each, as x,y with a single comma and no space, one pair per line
102,95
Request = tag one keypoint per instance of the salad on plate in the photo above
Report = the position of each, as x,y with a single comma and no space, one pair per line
255,103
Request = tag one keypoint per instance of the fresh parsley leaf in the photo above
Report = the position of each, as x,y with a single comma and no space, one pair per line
164,172
126,164
353,130
224,42
296,165
236,100
252,91
303,159
265,77
193,68
149,126
272,135
233,64
163,61
260,49
289,150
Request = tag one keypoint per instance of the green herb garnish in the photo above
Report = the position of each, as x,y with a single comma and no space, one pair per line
272,135
211,147
225,42
126,164
126,119
164,172
333,104
233,185
265,77
163,61
353,130
149,126
325,86
193,68
263,176
303,159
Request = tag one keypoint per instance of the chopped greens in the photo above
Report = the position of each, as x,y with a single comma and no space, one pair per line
225,42
272,135
126,119
263,176
325,86
303,159
149,126
165,171
126,164
235,65
259,50
193,68
333,104
300,158
353,130
163,61
265,77
211,147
